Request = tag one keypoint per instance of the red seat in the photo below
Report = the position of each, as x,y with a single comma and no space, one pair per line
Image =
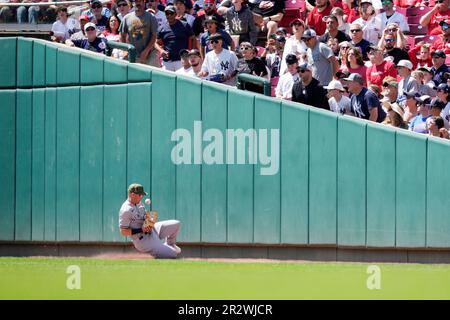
447,60
417,11
289,15
427,39
260,51
417,30
294,4
414,19
400,10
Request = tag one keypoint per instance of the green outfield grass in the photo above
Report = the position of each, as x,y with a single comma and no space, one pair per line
42,278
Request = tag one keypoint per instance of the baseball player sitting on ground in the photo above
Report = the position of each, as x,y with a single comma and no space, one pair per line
147,234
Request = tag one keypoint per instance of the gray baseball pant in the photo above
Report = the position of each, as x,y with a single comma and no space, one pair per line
164,230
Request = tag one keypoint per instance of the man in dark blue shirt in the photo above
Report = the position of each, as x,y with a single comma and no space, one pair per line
92,43
439,67
175,36
365,104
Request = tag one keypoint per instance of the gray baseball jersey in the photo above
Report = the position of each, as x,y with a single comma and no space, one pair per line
132,216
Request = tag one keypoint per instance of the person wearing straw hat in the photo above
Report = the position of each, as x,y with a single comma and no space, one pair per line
394,115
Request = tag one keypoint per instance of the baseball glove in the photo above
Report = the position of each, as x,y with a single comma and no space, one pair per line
150,220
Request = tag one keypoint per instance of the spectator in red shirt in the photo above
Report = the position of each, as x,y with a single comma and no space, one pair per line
380,68
443,40
432,18
315,17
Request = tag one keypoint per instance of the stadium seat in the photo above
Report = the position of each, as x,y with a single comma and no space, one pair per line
294,4
427,39
417,11
260,51
400,10
417,30
413,19
289,15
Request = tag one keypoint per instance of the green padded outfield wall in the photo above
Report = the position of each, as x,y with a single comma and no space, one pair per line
77,128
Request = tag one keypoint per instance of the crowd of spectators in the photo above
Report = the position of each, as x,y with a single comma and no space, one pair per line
353,57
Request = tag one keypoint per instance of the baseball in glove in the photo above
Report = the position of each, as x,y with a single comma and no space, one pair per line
150,219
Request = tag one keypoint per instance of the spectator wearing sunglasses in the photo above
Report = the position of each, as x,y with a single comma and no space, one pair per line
325,63
212,27
251,64
308,90
220,64
358,41
209,10
122,8
418,123
92,41
390,15
439,67
392,45
98,14
442,41
433,18
175,36
139,29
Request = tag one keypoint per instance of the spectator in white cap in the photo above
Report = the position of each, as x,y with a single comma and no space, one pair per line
365,104
325,64
371,25
407,82
308,90
92,41
338,102
287,80
418,124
